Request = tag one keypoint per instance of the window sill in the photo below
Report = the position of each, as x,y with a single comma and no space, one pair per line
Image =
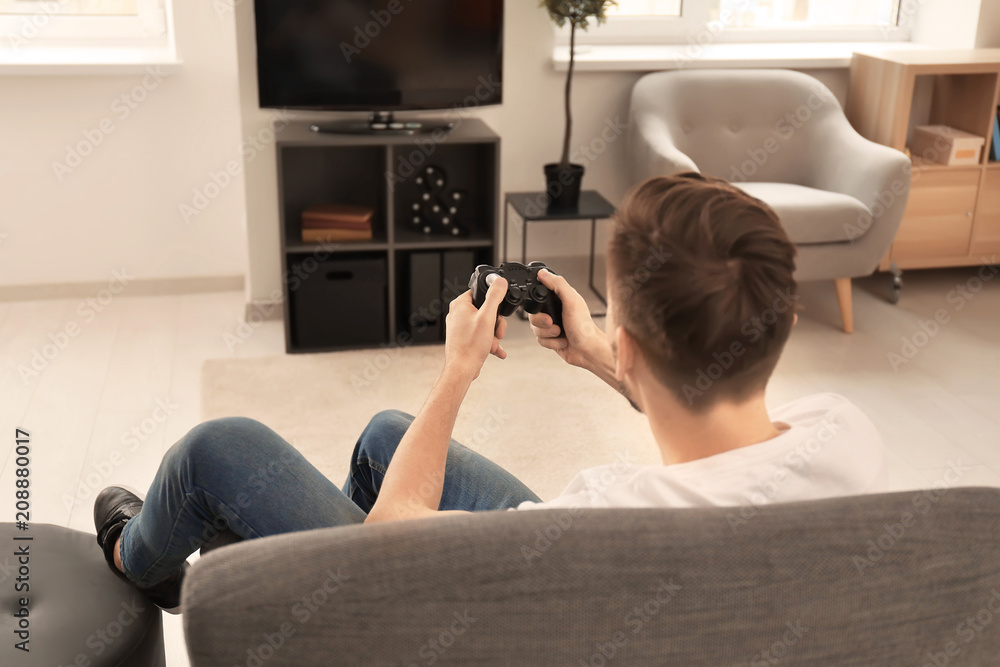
62,61
639,58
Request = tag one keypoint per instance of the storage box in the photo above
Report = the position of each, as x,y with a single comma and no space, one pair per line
424,311
341,302
946,145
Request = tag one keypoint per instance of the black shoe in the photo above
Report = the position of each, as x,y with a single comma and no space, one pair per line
113,508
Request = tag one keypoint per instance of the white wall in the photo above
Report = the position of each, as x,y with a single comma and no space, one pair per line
988,35
947,24
119,208
530,123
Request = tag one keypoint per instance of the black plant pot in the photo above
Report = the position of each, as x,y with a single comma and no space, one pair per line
563,185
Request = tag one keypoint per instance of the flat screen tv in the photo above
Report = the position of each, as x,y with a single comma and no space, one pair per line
378,55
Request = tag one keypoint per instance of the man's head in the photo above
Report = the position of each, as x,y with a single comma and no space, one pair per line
700,280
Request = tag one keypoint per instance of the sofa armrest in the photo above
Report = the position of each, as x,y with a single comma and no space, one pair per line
876,175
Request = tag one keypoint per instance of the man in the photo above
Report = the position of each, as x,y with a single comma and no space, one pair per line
700,304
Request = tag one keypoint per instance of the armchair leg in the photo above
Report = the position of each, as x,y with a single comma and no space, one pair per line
844,298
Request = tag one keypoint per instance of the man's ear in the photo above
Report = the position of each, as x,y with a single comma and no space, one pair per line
795,319
625,358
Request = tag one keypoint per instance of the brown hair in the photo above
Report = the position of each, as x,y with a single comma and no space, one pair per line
703,283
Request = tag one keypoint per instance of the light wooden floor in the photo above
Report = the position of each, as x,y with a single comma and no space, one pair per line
88,400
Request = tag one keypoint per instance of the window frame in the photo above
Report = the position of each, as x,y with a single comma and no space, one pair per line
693,27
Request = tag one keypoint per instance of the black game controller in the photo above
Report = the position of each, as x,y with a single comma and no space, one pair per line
524,290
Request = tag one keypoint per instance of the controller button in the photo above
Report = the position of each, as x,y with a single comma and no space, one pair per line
539,292
513,294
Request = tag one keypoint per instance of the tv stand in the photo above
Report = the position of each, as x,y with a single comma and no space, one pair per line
382,123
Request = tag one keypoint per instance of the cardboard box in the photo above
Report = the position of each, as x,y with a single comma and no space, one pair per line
946,145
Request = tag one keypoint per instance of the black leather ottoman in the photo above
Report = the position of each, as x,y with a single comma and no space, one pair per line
78,613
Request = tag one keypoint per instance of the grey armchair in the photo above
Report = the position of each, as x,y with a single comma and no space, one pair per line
890,579
782,137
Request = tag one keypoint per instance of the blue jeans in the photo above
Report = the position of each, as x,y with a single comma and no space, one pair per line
237,474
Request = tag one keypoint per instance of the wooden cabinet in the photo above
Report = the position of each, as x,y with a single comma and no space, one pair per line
939,215
986,235
953,214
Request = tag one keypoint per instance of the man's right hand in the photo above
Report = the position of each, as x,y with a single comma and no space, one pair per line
584,345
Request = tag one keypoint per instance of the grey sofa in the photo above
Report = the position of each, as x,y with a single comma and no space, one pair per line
783,137
887,579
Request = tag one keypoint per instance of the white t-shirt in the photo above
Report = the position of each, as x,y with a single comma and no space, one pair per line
830,449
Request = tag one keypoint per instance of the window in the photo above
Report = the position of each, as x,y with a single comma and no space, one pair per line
796,13
722,21
26,25
775,13
72,7
646,8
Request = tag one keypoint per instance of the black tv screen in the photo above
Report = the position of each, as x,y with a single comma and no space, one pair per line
375,55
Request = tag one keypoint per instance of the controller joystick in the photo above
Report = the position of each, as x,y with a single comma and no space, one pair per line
524,290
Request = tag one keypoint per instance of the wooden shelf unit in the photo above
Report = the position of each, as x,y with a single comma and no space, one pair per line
376,171
953,214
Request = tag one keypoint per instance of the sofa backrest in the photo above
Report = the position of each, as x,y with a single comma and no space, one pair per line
902,578
741,125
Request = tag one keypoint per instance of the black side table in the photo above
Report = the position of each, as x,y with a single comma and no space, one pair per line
533,207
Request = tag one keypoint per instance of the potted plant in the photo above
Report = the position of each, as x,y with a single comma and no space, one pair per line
562,179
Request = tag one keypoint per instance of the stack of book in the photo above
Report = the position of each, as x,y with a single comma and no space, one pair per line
336,222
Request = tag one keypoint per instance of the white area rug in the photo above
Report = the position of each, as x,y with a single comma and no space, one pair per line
532,414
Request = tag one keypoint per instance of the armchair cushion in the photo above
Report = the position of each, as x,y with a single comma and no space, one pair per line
807,214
